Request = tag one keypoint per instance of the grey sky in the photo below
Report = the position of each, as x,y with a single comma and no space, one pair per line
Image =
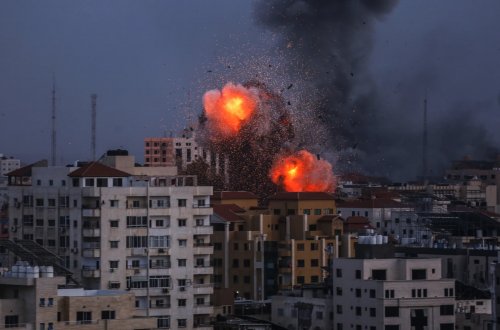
148,62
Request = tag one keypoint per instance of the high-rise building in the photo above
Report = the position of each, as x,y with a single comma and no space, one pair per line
118,226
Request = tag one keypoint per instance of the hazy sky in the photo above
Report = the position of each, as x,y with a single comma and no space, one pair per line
148,63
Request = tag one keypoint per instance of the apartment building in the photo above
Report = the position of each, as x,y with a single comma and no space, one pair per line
258,251
392,294
8,164
378,211
180,152
40,304
143,229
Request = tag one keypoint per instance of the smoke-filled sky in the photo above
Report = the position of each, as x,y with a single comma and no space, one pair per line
151,61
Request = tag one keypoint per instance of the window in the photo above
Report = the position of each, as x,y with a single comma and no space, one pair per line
182,242
114,244
113,264
373,312
372,293
108,315
102,182
137,242
182,323
39,202
447,326
317,211
39,222
160,281
163,322
200,222
181,222
42,326
358,293
84,317
339,309
307,211
391,311
50,302
358,274
419,274
246,263
246,279
181,202
314,262
338,272
389,294
300,279
114,285
117,182
300,247
314,246
446,310
51,202
379,274
11,321
113,203
338,291
42,302
114,223
181,262
181,302
319,315
89,182
358,311
136,221
236,263
300,263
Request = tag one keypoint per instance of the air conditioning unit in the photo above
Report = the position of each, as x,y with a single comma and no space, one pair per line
182,288
165,290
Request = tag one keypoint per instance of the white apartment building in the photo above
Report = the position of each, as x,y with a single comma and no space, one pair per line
144,229
8,164
378,211
392,294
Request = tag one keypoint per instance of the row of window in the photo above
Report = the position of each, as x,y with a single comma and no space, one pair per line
442,326
305,211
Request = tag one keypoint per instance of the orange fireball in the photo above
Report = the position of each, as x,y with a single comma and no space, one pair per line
302,171
228,110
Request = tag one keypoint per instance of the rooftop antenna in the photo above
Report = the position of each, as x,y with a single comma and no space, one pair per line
93,98
53,135
424,141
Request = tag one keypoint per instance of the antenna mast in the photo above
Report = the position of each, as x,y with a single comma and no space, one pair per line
424,142
53,137
94,117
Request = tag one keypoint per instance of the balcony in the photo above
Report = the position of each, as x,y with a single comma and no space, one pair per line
91,232
203,270
138,251
203,248
203,230
207,308
90,272
207,288
91,212
205,210
91,250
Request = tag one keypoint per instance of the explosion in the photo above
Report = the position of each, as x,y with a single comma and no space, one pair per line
302,171
229,109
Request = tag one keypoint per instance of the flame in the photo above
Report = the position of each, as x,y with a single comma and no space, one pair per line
302,171
229,109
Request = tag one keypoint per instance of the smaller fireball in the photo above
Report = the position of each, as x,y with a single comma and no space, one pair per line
229,109
302,171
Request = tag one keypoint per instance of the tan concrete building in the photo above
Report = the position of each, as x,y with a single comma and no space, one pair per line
39,304
392,294
260,251
143,229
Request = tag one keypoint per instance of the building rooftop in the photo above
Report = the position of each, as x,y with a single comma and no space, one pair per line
96,170
221,195
302,196
26,171
80,292
370,204
228,212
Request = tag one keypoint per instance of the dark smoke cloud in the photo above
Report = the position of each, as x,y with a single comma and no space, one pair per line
328,44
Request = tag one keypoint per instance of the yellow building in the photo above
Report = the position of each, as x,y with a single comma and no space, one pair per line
260,251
